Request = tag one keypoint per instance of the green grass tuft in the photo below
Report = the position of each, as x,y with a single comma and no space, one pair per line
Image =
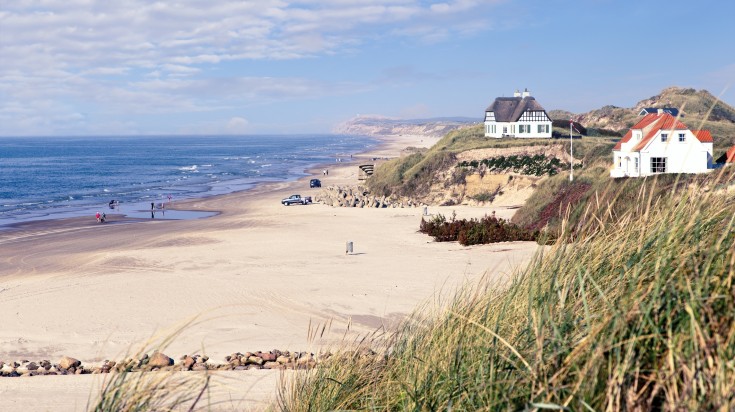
637,313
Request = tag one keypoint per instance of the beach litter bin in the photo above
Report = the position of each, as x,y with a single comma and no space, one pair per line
348,248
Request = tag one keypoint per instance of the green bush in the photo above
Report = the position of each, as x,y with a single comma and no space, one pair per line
537,165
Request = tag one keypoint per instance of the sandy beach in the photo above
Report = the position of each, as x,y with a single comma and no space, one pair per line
258,276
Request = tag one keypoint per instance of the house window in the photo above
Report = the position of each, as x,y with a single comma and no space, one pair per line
543,128
505,129
492,128
658,165
635,164
664,137
682,137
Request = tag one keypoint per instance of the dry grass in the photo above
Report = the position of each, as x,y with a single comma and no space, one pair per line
638,313
125,390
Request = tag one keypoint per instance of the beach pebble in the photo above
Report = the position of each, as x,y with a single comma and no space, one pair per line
188,362
199,367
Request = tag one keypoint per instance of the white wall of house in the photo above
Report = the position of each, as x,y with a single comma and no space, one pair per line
663,154
520,129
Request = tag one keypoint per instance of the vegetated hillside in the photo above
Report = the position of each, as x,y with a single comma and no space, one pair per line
385,126
560,206
466,167
699,110
636,314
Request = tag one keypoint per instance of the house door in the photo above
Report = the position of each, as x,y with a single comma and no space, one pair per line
627,166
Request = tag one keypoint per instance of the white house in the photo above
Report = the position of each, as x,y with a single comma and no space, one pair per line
518,116
660,143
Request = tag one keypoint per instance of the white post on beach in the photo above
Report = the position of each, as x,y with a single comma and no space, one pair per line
571,152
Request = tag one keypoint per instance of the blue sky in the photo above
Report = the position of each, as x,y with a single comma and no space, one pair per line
83,67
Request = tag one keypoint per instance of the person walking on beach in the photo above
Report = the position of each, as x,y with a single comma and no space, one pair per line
97,215
153,213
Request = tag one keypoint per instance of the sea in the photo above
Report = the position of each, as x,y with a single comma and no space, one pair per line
59,177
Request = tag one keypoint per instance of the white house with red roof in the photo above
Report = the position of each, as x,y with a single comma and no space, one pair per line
660,143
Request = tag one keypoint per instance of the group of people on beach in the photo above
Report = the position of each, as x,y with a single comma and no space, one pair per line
100,217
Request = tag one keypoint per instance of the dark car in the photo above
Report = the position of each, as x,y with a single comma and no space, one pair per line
315,183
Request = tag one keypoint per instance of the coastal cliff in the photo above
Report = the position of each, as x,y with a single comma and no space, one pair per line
386,126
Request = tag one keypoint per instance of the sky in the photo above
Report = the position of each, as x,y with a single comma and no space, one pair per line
218,67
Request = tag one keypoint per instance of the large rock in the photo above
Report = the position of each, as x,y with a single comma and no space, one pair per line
67,362
159,360
256,360
268,357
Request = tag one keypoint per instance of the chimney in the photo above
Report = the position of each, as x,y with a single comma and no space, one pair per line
660,111
517,93
526,93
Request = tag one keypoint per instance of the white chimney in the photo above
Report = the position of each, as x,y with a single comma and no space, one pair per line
526,93
660,111
517,94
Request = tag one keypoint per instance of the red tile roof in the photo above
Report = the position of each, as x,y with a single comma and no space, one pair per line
703,136
625,139
652,123
730,155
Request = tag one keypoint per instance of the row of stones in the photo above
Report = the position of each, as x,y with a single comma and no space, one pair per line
359,196
274,359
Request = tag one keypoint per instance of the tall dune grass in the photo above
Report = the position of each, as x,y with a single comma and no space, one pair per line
637,313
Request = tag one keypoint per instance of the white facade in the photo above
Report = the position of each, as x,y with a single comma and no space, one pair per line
520,116
662,145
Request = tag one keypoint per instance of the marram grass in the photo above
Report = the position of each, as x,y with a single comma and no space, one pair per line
636,314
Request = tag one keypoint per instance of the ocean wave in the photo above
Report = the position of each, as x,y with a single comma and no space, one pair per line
191,168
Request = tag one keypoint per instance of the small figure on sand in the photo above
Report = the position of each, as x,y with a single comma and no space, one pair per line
153,210
97,216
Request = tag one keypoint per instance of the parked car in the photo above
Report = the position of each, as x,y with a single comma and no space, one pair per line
296,200
315,183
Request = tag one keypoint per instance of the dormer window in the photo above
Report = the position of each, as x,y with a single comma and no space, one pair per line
664,137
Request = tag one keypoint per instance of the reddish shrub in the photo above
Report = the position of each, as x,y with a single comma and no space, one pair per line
489,229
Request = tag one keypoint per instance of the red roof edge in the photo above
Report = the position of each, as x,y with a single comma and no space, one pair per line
703,136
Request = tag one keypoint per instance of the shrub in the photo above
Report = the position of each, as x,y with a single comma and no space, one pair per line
537,165
489,229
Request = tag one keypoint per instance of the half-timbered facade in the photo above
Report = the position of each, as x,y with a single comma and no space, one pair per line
518,116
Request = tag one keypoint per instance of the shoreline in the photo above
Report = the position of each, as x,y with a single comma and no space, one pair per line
140,207
257,276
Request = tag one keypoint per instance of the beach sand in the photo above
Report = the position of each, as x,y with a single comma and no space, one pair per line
258,276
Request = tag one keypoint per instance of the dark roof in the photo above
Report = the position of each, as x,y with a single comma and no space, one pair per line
510,109
670,110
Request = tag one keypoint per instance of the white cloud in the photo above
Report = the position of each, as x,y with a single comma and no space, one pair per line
66,57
